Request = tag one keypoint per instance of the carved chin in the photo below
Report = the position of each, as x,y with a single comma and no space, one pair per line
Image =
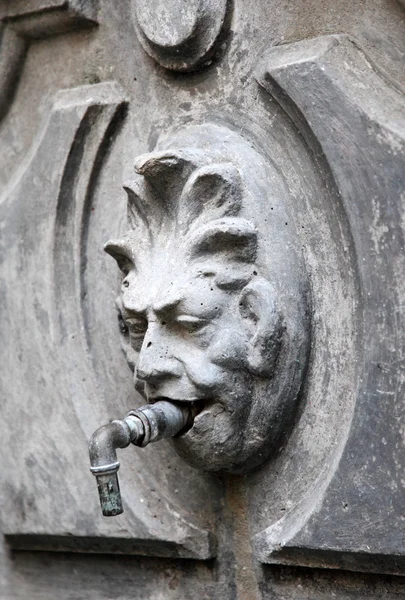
214,443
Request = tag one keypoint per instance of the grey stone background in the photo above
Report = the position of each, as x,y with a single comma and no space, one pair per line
331,115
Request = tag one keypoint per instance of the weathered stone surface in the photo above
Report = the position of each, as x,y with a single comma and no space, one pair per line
24,20
47,495
178,35
289,583
62,371
38,18
332,92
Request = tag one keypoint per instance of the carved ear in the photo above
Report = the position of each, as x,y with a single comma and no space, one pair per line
258,306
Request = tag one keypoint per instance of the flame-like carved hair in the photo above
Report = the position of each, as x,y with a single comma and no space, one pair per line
175,195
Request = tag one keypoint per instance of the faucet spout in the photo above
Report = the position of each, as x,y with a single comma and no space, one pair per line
140,427
104,463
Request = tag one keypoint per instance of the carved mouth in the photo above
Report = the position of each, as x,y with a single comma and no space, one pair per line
197,405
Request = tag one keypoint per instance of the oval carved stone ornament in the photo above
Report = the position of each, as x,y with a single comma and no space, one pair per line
179,35
213,306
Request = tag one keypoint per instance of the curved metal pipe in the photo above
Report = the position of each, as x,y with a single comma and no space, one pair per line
141,427
104,463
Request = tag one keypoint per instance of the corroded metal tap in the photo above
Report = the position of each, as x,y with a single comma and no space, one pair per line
140,427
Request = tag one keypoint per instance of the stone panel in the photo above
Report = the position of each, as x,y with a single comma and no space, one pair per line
52,390
333,92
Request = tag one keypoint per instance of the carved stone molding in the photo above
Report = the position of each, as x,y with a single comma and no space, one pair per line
36,19
24,20
180,35
352,117
48,495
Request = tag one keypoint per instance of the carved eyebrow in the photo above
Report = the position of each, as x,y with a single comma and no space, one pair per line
133,311
129,310
167,305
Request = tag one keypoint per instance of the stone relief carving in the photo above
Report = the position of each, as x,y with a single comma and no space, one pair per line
213,307
180,37
344,105
89,118
22,22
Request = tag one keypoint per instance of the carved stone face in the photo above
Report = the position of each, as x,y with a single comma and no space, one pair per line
199,320
190,341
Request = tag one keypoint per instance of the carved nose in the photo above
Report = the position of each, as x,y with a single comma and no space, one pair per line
156,365
155,374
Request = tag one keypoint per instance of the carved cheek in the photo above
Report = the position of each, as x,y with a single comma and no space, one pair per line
203,372
229,349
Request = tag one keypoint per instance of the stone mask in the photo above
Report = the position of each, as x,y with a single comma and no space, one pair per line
206,315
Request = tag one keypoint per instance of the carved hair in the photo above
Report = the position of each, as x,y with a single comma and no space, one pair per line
174,196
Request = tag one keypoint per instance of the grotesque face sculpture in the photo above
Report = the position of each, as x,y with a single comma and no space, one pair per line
201,320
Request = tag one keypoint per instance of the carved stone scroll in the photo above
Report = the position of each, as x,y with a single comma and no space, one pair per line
53,391
354,118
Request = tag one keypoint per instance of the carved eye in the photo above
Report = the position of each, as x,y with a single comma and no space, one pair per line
191,324
122,325
136,327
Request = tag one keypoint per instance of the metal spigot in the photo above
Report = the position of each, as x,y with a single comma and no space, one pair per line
140,427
